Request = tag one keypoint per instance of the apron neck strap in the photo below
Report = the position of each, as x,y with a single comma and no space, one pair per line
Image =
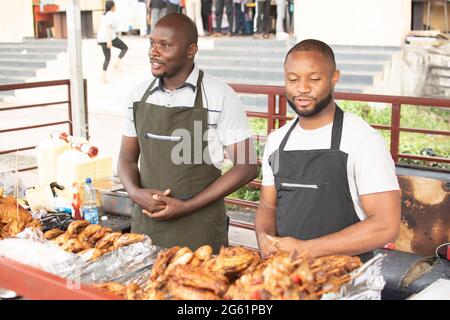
198,102
286,137
336,132
147,92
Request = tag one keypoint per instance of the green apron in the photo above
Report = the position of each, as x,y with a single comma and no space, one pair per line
155,126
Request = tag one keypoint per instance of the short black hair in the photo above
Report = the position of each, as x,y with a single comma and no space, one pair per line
109,5
183,24
316,46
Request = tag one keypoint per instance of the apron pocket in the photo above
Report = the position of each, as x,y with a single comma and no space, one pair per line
301,209
298,185
161,137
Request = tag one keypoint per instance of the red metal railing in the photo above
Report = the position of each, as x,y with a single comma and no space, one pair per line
29,85
276,116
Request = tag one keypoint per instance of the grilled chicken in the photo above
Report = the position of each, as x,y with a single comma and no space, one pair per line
13,218
52,234
108,240
75,227
99,234
127,239
63,238
74,245
89,231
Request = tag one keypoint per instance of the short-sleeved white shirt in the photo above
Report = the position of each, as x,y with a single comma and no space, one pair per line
227,121
370,168
108,19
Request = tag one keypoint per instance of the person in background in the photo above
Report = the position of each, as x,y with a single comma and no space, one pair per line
173,6
220,4
107,38
143,28
262,19
206,15
281,13
249,15
194,11
239,16
329,185
158,10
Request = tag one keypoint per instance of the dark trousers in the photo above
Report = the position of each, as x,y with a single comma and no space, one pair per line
263,22
117,43
219,13
206,12
239,18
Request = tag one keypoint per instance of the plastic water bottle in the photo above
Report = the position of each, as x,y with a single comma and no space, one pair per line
90,209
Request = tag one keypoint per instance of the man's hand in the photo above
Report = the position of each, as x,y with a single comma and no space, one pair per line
146,199
266,246
290,244
174,208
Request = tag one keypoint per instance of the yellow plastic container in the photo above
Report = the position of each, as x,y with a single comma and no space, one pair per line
47,153
76,166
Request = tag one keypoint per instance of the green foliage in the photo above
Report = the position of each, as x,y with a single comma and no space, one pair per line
411,117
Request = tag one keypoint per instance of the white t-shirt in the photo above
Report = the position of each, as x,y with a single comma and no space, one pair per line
227,121
370,168
108,19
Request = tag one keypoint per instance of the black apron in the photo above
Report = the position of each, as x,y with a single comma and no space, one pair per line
313,195
155,126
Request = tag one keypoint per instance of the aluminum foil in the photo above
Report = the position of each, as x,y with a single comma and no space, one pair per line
121,265
30,248
366,284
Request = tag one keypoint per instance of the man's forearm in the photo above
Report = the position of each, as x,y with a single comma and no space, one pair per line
356,239
232,180
265,222
129,176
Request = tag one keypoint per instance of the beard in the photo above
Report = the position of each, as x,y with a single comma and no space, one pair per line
320,105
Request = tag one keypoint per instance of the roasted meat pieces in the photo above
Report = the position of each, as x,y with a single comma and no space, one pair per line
13,218
91,240
238,273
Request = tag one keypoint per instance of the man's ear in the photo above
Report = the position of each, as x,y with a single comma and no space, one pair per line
192,51
335,77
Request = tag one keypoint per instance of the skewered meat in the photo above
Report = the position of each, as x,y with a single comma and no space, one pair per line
75,227
107,240
127,239
282,277
52,234
88,232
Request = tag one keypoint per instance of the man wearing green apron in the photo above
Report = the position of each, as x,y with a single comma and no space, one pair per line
177,127
329,183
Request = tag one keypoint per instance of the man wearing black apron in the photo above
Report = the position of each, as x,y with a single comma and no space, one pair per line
181,202
306,203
